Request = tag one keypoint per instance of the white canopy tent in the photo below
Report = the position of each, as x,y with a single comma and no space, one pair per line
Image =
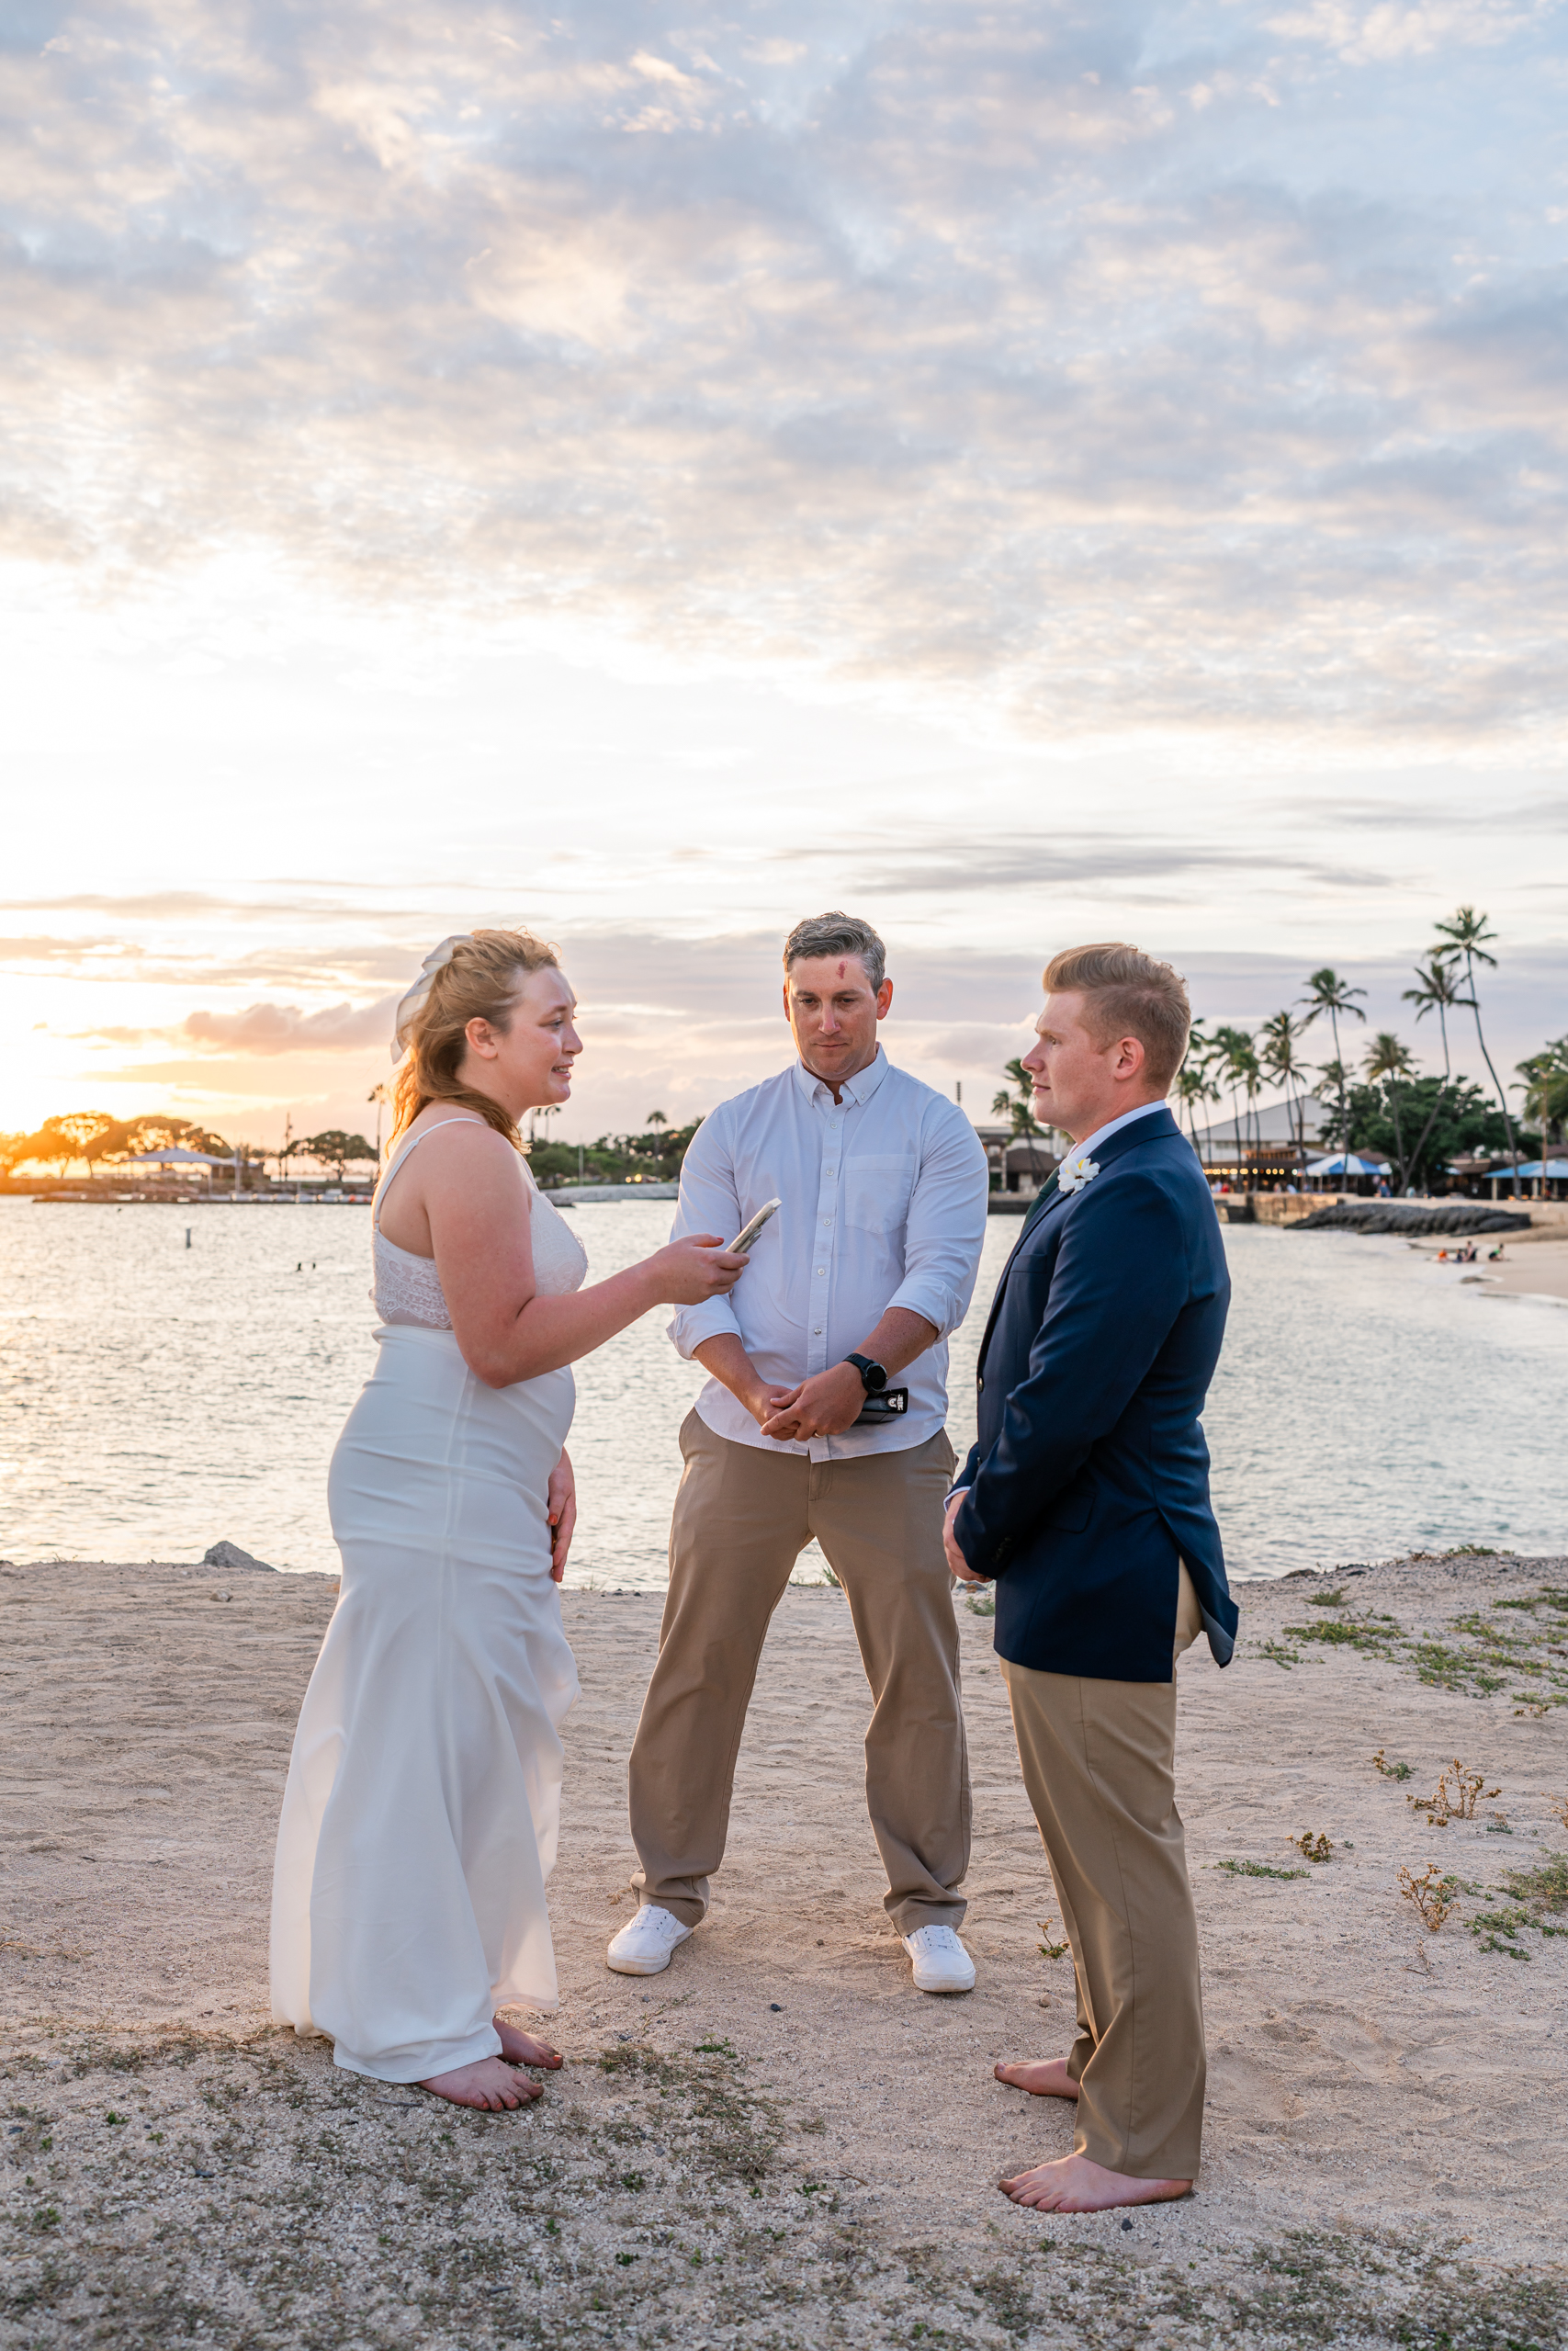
1340,1165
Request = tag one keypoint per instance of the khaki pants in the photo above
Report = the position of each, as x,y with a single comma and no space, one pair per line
1098,1762
743,1518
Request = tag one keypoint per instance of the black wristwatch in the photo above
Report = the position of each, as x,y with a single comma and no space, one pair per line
872,1378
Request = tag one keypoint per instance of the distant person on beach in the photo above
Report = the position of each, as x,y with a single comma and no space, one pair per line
1085,1498
424,1797
855,1284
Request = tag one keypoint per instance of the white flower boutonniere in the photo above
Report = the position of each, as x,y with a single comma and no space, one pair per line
1076,1172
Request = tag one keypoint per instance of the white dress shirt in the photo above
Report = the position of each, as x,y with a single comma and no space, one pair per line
1085,1149
883,1199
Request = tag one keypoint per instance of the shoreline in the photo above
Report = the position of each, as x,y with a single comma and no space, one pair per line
1540,1271
784,2053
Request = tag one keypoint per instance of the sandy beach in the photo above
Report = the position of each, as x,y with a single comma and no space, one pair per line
1535,1264
778,2142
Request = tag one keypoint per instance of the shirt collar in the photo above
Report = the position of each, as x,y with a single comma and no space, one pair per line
855,1090
1087,1148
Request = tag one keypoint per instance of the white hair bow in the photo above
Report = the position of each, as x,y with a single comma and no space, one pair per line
420,989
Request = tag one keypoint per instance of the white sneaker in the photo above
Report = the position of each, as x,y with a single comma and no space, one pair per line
942,1963
644,1944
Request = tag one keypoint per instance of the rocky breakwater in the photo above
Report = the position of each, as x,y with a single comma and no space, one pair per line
1415,1218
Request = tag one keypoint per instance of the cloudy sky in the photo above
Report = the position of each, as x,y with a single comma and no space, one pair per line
1024,473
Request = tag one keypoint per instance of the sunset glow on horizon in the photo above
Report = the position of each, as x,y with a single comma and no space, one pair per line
1020,476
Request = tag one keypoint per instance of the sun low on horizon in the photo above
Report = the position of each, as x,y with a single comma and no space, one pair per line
1019,477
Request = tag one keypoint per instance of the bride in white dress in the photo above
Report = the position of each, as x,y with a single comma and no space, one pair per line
423,1798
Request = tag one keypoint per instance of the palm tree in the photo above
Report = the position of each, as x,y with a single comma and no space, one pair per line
1466,934
380,1095
1017,1106
1239,1067
1387,1059
1193,1085
1326,992
1437,992
1277,1037
1546,1097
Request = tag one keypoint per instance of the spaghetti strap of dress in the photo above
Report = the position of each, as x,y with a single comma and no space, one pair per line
412,1145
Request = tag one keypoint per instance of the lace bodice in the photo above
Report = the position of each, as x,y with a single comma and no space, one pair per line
407,1289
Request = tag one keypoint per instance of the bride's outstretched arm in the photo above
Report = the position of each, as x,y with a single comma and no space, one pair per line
479,1223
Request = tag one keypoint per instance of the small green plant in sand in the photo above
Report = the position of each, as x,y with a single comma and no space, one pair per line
1539,1896
1049,1949
1389,1770
1455,1796
981,1604
1475,1653
1311,1847
1432,1893
1374,1633
1256,1870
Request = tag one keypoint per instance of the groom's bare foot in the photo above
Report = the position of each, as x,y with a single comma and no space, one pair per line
488,2084
521,2049
1073,2184
1043,2077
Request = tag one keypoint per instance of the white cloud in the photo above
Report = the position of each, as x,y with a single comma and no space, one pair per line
284,1028
1386,31
953,350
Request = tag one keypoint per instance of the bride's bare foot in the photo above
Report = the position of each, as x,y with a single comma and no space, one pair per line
1043,2077
1073,2184
488,2084
521,2049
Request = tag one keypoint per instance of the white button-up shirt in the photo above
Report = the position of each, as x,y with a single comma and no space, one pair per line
883,1197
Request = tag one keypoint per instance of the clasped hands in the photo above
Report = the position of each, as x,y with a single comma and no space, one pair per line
823,1406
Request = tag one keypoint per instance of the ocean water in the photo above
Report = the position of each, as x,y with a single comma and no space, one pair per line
156,1397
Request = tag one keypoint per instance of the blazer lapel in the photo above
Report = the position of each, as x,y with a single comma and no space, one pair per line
1048,1192
1157,1126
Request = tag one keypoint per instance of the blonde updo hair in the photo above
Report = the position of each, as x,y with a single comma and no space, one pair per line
481,981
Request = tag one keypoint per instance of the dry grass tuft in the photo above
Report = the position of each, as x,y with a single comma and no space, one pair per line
1455,1797
1433,1896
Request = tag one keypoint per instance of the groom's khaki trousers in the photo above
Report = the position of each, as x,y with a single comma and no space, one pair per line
1098,1762
742,1518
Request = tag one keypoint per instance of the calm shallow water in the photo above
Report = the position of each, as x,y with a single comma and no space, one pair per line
155,1399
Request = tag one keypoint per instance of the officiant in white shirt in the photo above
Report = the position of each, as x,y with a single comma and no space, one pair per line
823,1416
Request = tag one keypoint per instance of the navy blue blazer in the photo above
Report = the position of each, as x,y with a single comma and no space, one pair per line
1089,1483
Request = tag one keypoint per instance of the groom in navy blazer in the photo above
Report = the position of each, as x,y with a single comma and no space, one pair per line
1085,1498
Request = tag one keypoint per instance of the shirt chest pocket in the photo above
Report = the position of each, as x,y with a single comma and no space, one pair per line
876,1194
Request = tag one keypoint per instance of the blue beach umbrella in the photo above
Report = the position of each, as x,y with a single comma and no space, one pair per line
1339,1165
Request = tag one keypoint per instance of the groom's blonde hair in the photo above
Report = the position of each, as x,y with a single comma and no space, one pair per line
1127,993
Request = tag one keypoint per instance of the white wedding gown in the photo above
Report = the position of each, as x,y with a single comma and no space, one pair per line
422,1806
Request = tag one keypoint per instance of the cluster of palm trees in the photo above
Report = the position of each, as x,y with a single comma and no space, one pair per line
1240,1061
